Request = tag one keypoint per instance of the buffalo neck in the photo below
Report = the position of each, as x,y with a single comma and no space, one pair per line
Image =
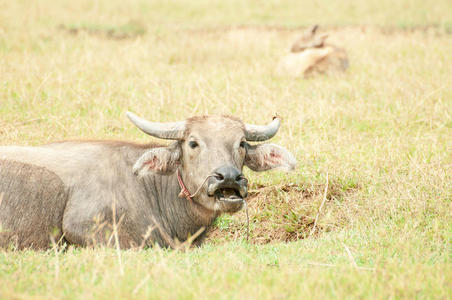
178,218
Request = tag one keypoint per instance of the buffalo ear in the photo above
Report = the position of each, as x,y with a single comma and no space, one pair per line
265,157
320,40
161,160
313,29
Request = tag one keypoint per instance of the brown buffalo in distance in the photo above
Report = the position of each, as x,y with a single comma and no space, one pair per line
311,54
77,191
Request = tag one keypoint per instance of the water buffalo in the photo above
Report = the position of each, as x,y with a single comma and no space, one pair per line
77,191
311,54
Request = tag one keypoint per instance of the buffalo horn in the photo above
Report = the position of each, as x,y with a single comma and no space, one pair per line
257,133
169,131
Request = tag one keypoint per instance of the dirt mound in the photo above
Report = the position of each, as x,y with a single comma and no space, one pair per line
282,213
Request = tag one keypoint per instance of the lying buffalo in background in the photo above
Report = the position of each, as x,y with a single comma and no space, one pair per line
310,54
75,190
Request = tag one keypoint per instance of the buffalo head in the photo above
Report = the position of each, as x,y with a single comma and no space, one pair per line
309,39
209,152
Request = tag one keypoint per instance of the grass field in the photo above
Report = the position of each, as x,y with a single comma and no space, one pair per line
375,142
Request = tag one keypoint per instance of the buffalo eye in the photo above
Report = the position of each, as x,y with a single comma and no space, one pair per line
243,144
193,144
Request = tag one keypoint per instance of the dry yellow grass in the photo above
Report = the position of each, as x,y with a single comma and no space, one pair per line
382,130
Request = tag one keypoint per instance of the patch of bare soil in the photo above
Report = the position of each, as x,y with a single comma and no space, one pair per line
130,30
282,213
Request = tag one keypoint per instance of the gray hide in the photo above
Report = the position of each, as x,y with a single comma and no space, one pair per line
26,222
42,195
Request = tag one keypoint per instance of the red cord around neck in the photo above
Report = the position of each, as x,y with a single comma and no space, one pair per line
184,193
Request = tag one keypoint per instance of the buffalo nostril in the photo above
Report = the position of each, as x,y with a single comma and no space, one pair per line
240,177
227,174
